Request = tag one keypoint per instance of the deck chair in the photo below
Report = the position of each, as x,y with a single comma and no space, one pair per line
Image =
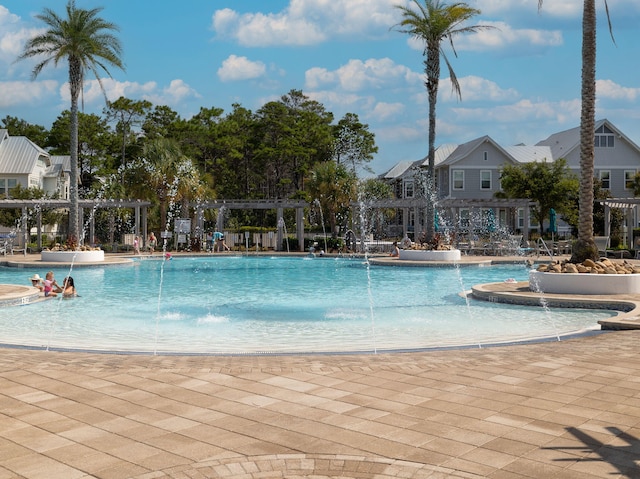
602,242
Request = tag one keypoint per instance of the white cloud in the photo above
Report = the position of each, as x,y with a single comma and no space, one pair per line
504,36
177,91
26,92
13,35
608,89
240,68
501,37
113,89
521,111
505,8
474,88
385,111
307,22
400,133
358,75
172,95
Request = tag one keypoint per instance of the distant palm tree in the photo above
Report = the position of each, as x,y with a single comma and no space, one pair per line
585,247
433,22
85,41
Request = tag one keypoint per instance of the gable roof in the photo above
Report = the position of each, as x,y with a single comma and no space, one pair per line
18,155
467,148
442,153
60,164
564,142
397,170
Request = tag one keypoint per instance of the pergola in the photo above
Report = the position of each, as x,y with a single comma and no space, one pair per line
451,204
627,204
30,208
278,205
454,205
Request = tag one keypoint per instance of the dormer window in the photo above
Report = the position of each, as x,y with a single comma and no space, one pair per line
605,138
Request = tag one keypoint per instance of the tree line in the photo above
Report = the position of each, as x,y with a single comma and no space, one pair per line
289,148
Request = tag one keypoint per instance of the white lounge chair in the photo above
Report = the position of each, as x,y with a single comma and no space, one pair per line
602,242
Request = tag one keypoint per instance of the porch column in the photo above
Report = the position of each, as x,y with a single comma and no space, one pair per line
630,216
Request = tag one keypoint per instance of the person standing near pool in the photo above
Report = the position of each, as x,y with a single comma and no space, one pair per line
219,244
152,243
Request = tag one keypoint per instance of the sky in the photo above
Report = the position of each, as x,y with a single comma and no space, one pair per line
520,80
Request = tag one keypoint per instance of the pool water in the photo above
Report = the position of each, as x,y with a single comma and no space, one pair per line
261,304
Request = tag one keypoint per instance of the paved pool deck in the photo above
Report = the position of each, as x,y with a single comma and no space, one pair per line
561,409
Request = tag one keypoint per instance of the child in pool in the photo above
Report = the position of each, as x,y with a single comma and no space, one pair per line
51,287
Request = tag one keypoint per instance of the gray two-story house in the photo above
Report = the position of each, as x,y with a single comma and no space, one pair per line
468,177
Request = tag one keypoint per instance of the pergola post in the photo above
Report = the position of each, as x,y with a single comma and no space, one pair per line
39,228
280,227
92,230
25,229
81,225
607,220
136,225
300,227
145,233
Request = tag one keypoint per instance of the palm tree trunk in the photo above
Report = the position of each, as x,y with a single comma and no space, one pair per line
585,246
433,78
75,83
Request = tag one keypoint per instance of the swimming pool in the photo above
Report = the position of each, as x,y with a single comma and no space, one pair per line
260,304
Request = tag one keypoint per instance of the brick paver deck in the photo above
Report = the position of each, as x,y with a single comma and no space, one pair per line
568,409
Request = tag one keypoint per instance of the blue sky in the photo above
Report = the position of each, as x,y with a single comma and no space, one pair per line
520,82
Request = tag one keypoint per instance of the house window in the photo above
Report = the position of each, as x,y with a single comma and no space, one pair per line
6,185
628,179
458,179
485,155
604,137
485,179
408,189
605,180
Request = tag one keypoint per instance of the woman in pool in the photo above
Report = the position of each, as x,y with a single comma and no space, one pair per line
69,289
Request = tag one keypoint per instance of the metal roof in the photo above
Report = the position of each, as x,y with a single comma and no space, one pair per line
18,155
564,142
398,169
529,154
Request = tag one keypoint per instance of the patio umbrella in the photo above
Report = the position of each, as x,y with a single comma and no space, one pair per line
491,221
553,226
436,222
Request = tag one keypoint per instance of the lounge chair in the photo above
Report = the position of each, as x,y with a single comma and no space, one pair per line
602,242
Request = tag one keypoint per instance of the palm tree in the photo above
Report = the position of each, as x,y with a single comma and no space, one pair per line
434,22
585,247
334,186
85,41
